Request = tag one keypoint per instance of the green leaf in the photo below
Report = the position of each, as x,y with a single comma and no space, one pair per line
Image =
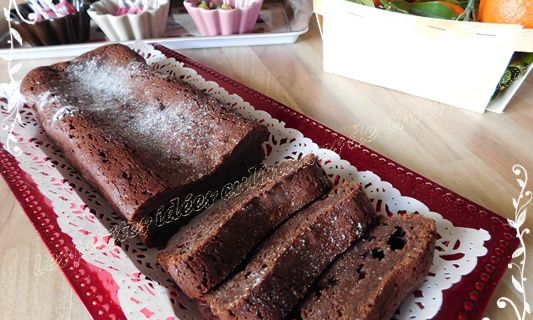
433,9
527,58
451,1
369,3
507,77
396,6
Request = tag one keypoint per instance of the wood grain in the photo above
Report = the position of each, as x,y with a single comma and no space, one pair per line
469,153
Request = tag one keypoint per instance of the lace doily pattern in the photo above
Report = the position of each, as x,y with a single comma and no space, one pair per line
144,291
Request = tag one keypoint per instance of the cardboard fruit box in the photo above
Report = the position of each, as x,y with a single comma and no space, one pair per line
453,62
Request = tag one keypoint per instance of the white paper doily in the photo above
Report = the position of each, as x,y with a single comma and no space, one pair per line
144,290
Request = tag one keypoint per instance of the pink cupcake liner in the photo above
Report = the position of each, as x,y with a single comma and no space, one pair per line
242,19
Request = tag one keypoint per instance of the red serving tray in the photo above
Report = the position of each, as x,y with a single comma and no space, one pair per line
465,300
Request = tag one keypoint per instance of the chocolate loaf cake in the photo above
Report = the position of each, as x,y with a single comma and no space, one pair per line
372,278
214,246
140,138
284,267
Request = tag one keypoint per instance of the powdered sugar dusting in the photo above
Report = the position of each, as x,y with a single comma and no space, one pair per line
89,86
101,80
132,103
63,111
45,99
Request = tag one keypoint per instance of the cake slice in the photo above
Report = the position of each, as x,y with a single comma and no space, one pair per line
214,246
284,267
372,278
144,140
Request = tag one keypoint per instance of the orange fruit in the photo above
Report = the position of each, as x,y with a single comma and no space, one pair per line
507,11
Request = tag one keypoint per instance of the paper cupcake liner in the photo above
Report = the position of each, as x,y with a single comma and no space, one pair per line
242,19
147,25
72,28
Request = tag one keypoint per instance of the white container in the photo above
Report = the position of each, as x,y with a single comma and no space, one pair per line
241,19
147,25
453,62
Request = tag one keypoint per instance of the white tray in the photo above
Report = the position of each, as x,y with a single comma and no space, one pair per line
281,22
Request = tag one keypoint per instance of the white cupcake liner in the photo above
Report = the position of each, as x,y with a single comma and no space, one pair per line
147,25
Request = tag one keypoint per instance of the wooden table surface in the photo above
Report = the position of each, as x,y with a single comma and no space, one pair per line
469,153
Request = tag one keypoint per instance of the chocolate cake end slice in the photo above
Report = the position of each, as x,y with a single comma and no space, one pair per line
210,249
372,278
285,266
141,138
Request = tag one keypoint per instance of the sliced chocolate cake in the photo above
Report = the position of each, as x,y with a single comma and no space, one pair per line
142,139
285,266
214,246
372,278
